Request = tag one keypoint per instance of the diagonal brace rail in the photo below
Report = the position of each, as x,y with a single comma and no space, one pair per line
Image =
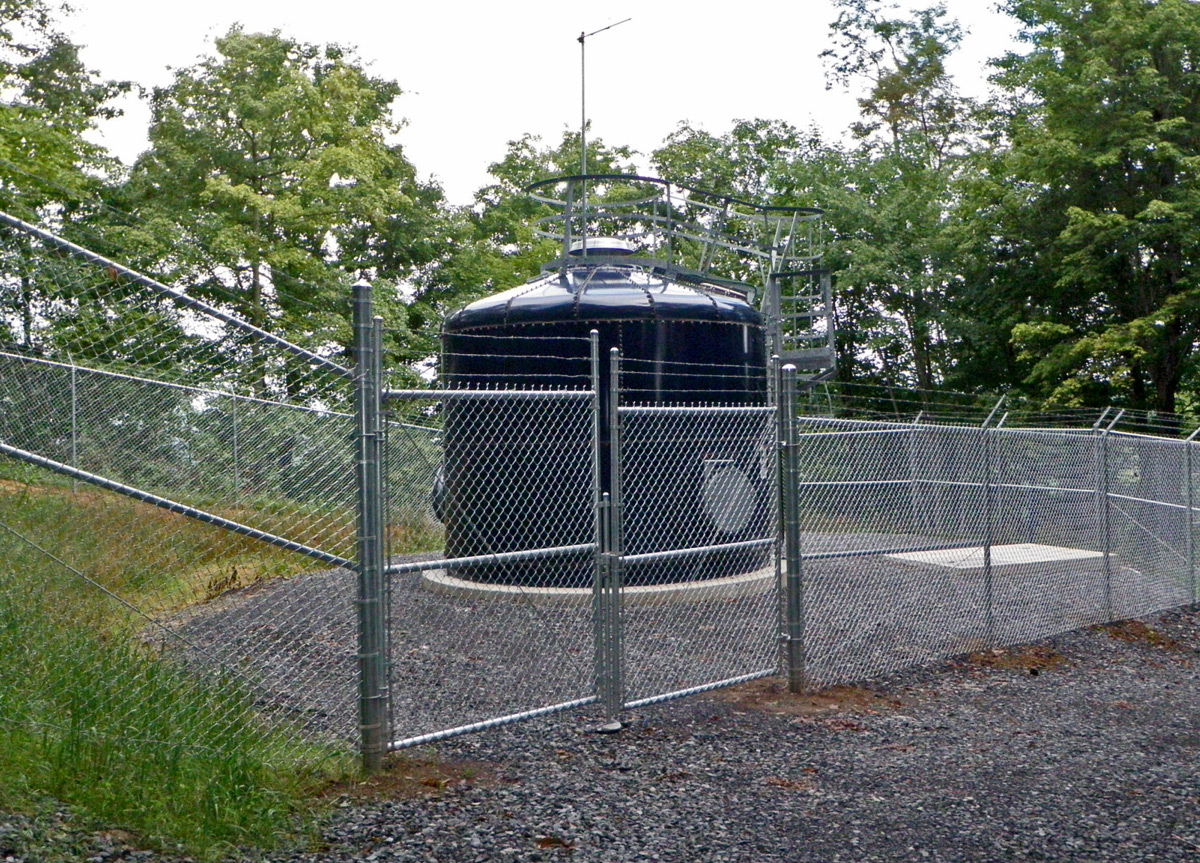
174,506
90,257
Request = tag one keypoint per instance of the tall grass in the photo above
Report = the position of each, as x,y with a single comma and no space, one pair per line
93,716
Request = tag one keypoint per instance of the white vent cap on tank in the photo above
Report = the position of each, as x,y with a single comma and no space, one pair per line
603,246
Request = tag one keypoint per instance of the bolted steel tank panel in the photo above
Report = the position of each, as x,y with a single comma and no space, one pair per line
667,329
681,343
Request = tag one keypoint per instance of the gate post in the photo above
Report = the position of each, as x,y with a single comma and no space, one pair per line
794,586
601,522
614,690
372,632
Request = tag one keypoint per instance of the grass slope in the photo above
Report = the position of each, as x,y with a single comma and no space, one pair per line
94,717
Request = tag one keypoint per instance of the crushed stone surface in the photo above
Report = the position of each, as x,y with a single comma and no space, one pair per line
1082,747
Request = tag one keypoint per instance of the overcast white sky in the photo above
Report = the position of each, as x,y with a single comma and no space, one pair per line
478,74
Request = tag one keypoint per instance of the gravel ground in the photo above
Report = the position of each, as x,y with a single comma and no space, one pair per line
1079,748
461,660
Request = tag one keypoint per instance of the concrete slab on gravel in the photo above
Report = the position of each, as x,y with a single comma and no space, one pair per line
1014,554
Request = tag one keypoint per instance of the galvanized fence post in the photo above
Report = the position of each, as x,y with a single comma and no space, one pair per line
1103,514
237,466
74,426
600,527
794,588
988,505
910,439
385,543
1105,522
777,377
1189,515
614,695
372,634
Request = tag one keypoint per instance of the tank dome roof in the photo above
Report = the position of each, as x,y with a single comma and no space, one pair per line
603,292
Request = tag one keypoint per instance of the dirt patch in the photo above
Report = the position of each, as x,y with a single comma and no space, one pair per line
8,486
409,777
770,695
790,784
1031,658
1136,632
82,495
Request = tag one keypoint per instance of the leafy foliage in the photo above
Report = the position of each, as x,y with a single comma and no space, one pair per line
48,167
890,216
1043,242
1105,137
270,185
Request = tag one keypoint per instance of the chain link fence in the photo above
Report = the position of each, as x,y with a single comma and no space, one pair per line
165,463
499,623
699,523
924,540
185,500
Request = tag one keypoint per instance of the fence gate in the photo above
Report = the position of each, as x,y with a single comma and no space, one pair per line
593,552
694,542
491,633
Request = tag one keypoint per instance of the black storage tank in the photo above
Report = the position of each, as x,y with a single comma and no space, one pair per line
684,340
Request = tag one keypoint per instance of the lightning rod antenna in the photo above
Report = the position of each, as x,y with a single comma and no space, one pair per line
583,91
583,121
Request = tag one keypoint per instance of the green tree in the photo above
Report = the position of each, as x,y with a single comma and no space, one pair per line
51,101
909,98
742,162
889,216
271,183
1101,197
494,246
49,170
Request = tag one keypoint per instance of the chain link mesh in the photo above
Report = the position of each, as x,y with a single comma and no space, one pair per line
500,622
137,607
699,523
922,541
1148,520
282,468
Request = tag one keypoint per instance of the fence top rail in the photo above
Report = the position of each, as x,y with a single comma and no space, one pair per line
88,256
1046,430
845,432
1151,437
454,395
851,424
841,424
191,388
848,425
692,409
